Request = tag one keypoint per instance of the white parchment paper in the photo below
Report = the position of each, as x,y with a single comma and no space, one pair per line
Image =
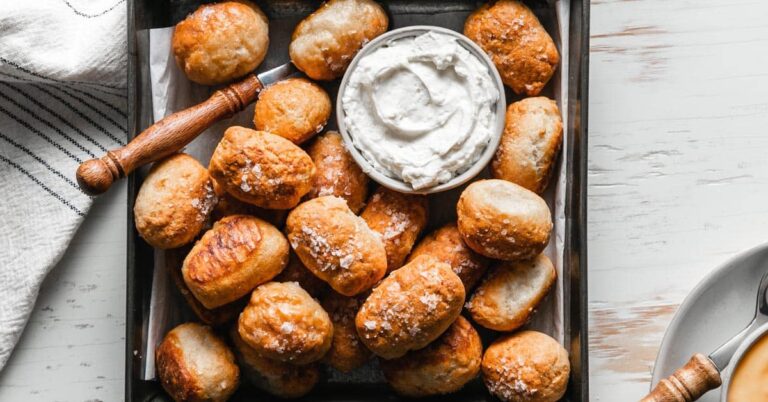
172,91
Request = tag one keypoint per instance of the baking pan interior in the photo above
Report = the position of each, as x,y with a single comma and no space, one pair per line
284,15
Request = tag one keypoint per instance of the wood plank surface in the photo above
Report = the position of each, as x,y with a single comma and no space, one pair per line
678,173
73,347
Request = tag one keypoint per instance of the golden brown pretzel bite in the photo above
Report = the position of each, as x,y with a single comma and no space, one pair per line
174,202
502,220
447,246
336,245
283,322
277,378
347,352
295,109
220,42
532,136
337,173
262,169
324,43
398,218
239,253
522,50
410,308
444,366
507,297
193,364
526,366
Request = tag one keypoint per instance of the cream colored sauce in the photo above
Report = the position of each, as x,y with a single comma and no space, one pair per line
421,109
749,381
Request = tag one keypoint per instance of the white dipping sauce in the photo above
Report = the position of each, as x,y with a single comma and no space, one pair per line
421,109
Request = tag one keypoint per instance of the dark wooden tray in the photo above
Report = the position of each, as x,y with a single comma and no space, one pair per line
284,14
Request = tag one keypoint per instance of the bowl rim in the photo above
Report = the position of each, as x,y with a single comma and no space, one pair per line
759,333
490,149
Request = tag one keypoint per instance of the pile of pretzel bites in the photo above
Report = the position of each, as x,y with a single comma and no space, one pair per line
296,261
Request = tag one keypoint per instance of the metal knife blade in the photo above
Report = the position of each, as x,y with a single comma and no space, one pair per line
277,74
722,355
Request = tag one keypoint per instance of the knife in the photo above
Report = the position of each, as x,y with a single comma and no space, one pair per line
702,373
175,131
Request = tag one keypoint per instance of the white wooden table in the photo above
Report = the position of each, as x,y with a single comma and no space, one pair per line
74,345
678,175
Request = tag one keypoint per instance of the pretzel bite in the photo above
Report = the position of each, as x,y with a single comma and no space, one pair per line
529,145
262,169
295,109
228,205
336,245
527,366
220,42
521,49
324,43
505,300
193,364
174,202
239,253
283,322
337,173
398,218
173,260
444,366
274,377
502,220
446,245
347,352
295,271
410,308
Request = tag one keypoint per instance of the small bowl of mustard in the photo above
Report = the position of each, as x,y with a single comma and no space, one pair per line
744,379
421,109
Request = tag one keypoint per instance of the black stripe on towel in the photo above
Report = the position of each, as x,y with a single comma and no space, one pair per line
42,185
38,75
47,123
105,103
39,159
75,109
39,133
84,116
58,116
93,123
99,14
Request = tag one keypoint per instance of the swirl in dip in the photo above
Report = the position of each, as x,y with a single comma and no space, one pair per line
421,109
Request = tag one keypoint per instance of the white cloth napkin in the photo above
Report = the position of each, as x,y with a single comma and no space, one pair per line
62,101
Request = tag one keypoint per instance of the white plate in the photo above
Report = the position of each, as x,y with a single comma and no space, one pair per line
720,306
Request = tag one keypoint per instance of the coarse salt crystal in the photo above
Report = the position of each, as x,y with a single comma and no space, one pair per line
244,184
346,261
430,300
286,328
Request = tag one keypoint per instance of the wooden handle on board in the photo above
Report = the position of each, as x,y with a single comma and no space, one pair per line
687,383
167,136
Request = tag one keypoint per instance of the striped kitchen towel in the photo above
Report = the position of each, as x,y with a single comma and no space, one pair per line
62,101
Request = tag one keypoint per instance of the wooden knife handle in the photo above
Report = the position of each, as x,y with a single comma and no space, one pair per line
167,136
687,383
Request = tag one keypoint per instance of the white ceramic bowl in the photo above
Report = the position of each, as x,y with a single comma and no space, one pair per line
485,157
